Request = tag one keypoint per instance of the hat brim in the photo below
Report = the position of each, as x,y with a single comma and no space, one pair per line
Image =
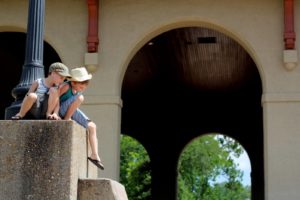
64,74
81,79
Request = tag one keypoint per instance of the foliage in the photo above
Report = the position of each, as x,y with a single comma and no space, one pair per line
202,161
135,169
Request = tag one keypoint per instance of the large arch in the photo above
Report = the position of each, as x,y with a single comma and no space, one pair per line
170,96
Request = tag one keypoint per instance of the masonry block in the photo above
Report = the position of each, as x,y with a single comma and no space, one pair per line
100,189
41,159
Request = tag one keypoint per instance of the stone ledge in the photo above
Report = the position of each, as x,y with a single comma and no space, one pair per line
41,159
100,189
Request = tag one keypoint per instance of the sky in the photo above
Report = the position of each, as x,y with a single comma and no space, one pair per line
244,165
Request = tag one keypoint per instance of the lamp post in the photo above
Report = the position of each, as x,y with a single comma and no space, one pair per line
33,67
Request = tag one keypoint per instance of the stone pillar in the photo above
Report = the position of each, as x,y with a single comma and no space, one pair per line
281,146
105,111
41,159
33,66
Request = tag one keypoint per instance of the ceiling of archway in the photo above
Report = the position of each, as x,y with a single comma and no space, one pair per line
198,58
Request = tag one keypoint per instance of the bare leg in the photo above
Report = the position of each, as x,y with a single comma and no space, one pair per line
93,140
27,103
94,158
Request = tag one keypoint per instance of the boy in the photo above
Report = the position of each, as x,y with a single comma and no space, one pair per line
70,99
36,100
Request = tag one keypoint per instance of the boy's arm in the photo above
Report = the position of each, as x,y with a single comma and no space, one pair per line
56,109
56,112
33,87
63,88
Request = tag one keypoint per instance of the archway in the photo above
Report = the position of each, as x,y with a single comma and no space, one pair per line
12,54
186,82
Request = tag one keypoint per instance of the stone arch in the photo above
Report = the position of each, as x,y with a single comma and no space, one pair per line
166,109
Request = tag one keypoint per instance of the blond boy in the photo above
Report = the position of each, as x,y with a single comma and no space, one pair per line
36,100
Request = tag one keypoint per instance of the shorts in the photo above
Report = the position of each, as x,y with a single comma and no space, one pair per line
78,115
39,108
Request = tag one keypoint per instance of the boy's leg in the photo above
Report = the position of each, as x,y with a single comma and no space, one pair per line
27,104
92,129
84,121
94,157
69,107
38,109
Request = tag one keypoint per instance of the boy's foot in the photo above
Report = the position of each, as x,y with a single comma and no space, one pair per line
16,117
97,163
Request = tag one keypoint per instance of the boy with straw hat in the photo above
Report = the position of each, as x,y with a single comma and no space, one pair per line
70,99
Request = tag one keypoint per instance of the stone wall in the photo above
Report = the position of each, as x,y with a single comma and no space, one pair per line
41,159
48,160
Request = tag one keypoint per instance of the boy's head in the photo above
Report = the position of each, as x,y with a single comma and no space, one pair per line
59,68
80,78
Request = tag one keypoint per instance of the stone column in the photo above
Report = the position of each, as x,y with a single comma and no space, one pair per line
33,66
281,146
105,111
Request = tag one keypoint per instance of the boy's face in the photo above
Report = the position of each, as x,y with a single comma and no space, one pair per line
80,86
57,78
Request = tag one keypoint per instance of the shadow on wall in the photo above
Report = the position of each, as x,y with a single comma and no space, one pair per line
12,55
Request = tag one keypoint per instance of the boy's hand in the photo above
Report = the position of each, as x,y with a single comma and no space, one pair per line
54,116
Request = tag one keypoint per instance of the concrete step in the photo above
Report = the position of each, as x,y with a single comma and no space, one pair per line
100,189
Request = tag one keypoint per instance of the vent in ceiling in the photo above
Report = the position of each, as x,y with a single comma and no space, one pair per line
206,40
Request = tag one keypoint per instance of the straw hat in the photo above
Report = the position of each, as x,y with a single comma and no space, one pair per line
80,74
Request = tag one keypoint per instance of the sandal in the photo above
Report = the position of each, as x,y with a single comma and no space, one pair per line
97,163
16,117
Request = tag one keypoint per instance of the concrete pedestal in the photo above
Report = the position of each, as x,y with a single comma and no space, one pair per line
41,159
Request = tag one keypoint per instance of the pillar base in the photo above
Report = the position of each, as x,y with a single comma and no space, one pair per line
41,159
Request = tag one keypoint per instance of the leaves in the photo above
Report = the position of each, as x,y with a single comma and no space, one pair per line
135,169
202,161
200,164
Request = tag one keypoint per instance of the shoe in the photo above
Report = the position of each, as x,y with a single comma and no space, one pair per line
97,163
16,117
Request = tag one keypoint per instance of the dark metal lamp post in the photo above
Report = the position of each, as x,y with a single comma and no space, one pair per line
33,67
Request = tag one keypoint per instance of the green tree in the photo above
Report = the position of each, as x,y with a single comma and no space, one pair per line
202,161
135,169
